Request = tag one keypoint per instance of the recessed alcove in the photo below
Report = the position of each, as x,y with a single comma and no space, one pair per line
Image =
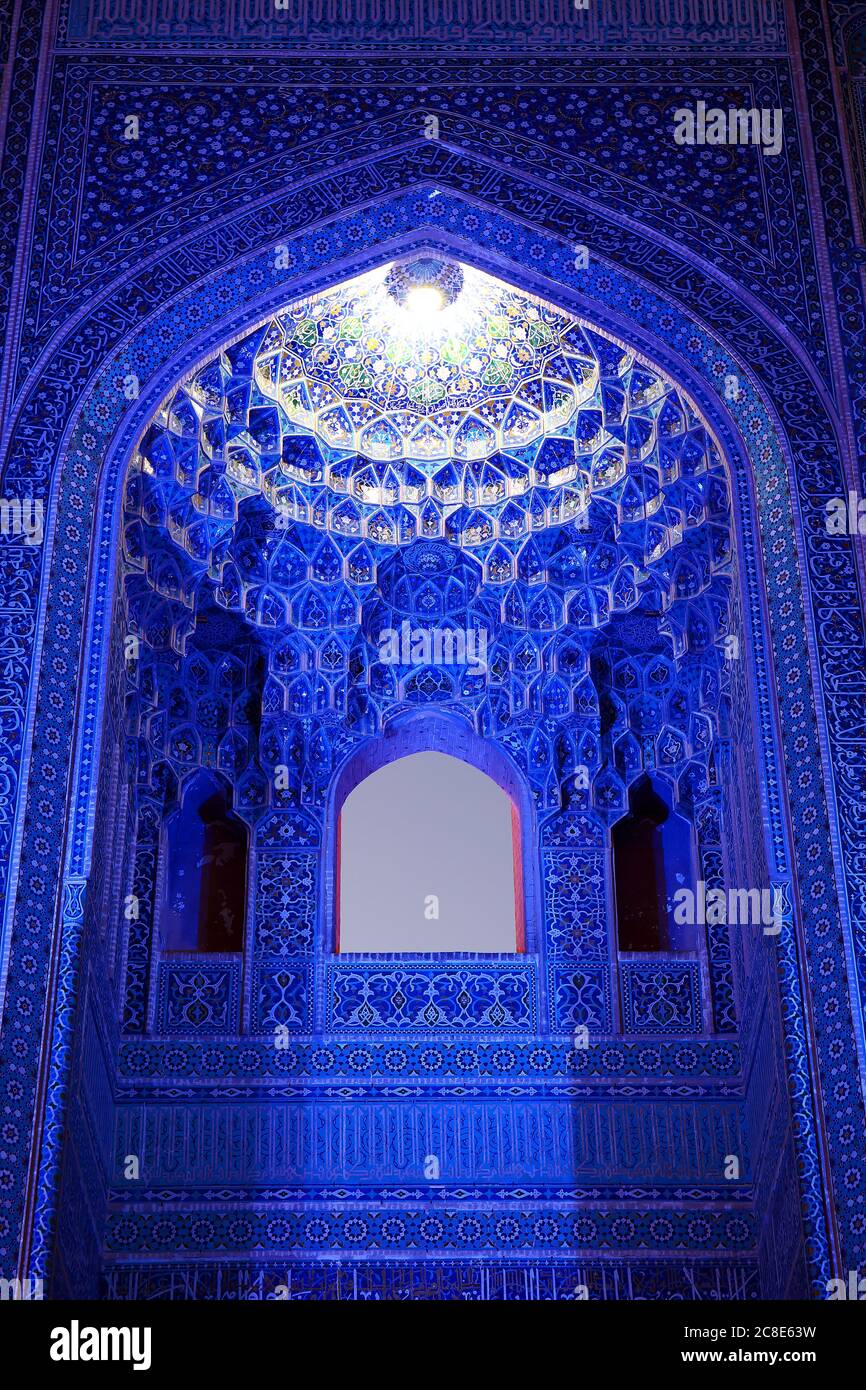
653,859
203,905
445,669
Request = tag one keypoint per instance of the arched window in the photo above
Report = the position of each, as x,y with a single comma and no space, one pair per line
204,899
652,859
428,860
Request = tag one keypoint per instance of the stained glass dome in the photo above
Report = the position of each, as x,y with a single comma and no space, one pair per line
426,399
376,367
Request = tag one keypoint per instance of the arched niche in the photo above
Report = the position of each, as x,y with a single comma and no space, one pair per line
121,444
653,855
204,882
451,739
428,860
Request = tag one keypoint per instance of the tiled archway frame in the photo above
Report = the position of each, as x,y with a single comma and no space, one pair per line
228,302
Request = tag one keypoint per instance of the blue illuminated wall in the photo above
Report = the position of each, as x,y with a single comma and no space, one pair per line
272,676
305,1164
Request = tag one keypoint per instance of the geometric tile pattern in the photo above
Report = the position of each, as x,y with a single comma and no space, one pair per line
197,997
491,998
661,997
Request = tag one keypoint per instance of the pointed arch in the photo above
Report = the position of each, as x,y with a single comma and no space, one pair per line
437,732
121,443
